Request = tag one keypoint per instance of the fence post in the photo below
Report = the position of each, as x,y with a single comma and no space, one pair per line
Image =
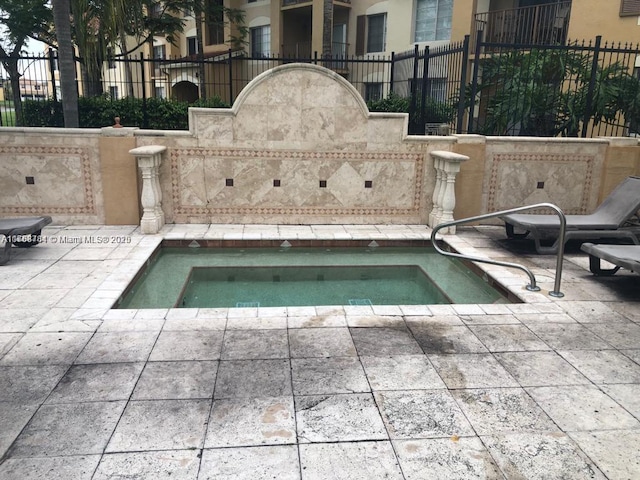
423,91
414,83
474,81
463,82
230,80
52,69
145,114
592,86
392,72
315,57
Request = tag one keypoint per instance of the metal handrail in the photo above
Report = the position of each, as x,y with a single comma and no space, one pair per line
532,287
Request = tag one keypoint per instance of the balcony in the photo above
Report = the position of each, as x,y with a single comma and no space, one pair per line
538,25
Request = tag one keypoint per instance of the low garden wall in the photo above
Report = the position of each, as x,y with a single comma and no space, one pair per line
298,147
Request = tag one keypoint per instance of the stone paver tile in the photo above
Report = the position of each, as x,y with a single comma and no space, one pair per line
447,339
532,318
619,335
116,347
251,422
13,417
445,458
338,418
258,323
176,380
192,345
566,336
161,425
69,429
603,366
29,385
55,280
502,410
131,325
508,338
193,324
633,355
256,463
383,321
591,312
402,372
60,348
422,414
384,341
349,461
475,370
317,376
54,468
33,298
321,342
540,456
253,378
615,452
59,319
13,320
582,407
317,321
416,322
255,344
533,369
627,395
7,341
487,319
97,383
165,465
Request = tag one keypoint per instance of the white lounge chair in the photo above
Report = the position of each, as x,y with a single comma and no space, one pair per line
609,220
21,232
625,256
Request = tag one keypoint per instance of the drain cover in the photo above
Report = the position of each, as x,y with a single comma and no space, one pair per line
360,301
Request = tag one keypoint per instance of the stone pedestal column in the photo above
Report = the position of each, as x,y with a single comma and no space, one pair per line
447,166
149,159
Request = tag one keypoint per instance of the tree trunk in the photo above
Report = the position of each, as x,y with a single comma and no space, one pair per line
11,66
68,85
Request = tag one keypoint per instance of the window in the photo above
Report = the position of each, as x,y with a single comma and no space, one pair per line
629,8
215,23
433,20
113,92
110,54
159,51
261,41
192,45
159,91
376,32
372,92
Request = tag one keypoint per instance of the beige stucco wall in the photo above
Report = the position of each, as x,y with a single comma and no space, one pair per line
593,17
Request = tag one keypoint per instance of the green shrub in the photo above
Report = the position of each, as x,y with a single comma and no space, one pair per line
96,112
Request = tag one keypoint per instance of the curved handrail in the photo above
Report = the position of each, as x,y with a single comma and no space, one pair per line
532,286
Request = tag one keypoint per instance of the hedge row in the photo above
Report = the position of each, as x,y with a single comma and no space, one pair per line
99,112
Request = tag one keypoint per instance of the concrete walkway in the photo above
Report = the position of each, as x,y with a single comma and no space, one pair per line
549,388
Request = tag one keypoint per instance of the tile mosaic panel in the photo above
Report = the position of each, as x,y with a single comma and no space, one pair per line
199,187
63,180
566,180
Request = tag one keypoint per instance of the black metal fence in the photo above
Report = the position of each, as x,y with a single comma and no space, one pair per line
586,89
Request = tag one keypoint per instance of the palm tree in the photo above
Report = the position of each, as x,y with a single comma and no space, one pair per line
66,62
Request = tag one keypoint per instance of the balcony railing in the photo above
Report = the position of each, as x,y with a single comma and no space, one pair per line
538,25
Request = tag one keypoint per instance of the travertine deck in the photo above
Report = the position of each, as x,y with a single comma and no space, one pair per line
545,389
